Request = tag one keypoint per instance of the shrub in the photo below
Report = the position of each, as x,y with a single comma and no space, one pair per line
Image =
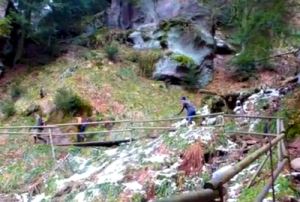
8,108
243,67
16,91
70,103
269,18
112,51
99,38
5,27
147,61
133,56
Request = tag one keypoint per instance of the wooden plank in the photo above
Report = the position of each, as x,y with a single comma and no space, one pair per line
251,133
98,144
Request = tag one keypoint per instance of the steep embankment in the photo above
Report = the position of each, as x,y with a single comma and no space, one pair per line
119,88
115,91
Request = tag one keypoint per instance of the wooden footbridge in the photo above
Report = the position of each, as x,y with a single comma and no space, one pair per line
213,190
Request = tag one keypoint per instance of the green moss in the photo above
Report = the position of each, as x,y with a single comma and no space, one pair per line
291,117
183,60
215,103
167,25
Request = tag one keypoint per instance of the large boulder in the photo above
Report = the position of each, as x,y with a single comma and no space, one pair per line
191,59
182,28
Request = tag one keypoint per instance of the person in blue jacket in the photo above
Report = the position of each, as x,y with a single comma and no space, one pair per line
190,109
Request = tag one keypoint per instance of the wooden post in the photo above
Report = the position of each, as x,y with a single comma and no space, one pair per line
258,171
272,168
279,145
276,173
131,131
225,176
285,151
51,142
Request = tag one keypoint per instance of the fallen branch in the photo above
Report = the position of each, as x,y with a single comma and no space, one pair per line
294,52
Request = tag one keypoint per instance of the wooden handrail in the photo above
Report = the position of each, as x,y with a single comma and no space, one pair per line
108,122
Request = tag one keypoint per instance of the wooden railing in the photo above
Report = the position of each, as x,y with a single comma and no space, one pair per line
214,189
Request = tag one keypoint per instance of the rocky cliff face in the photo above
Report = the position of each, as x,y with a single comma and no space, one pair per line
183,29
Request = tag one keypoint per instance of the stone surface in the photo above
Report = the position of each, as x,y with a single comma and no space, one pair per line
295,163
47,106
180,27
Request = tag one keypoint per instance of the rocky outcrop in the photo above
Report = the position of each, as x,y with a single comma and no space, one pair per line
183,28
134,13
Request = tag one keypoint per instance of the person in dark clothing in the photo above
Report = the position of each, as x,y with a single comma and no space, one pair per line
190,109
42,93
39,122
81,129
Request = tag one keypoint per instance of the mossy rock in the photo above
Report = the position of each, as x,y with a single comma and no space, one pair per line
167,25
293,123
215,103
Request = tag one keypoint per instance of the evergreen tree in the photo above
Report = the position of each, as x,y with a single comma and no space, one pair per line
47,21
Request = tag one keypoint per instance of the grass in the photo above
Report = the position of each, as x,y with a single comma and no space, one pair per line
147,61
16,91
283,184
271,125
285,188
250,194
130,96
165,189
8,108
24,169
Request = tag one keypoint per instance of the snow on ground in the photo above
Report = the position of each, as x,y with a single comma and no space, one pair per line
132,166
237,183
254,106
135,168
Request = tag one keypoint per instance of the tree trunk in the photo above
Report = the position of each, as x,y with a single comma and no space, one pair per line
20,47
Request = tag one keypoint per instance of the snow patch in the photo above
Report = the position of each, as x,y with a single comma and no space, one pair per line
133,186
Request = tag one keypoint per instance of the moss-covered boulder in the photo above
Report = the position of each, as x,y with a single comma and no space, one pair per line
215,103
191,61
184,28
